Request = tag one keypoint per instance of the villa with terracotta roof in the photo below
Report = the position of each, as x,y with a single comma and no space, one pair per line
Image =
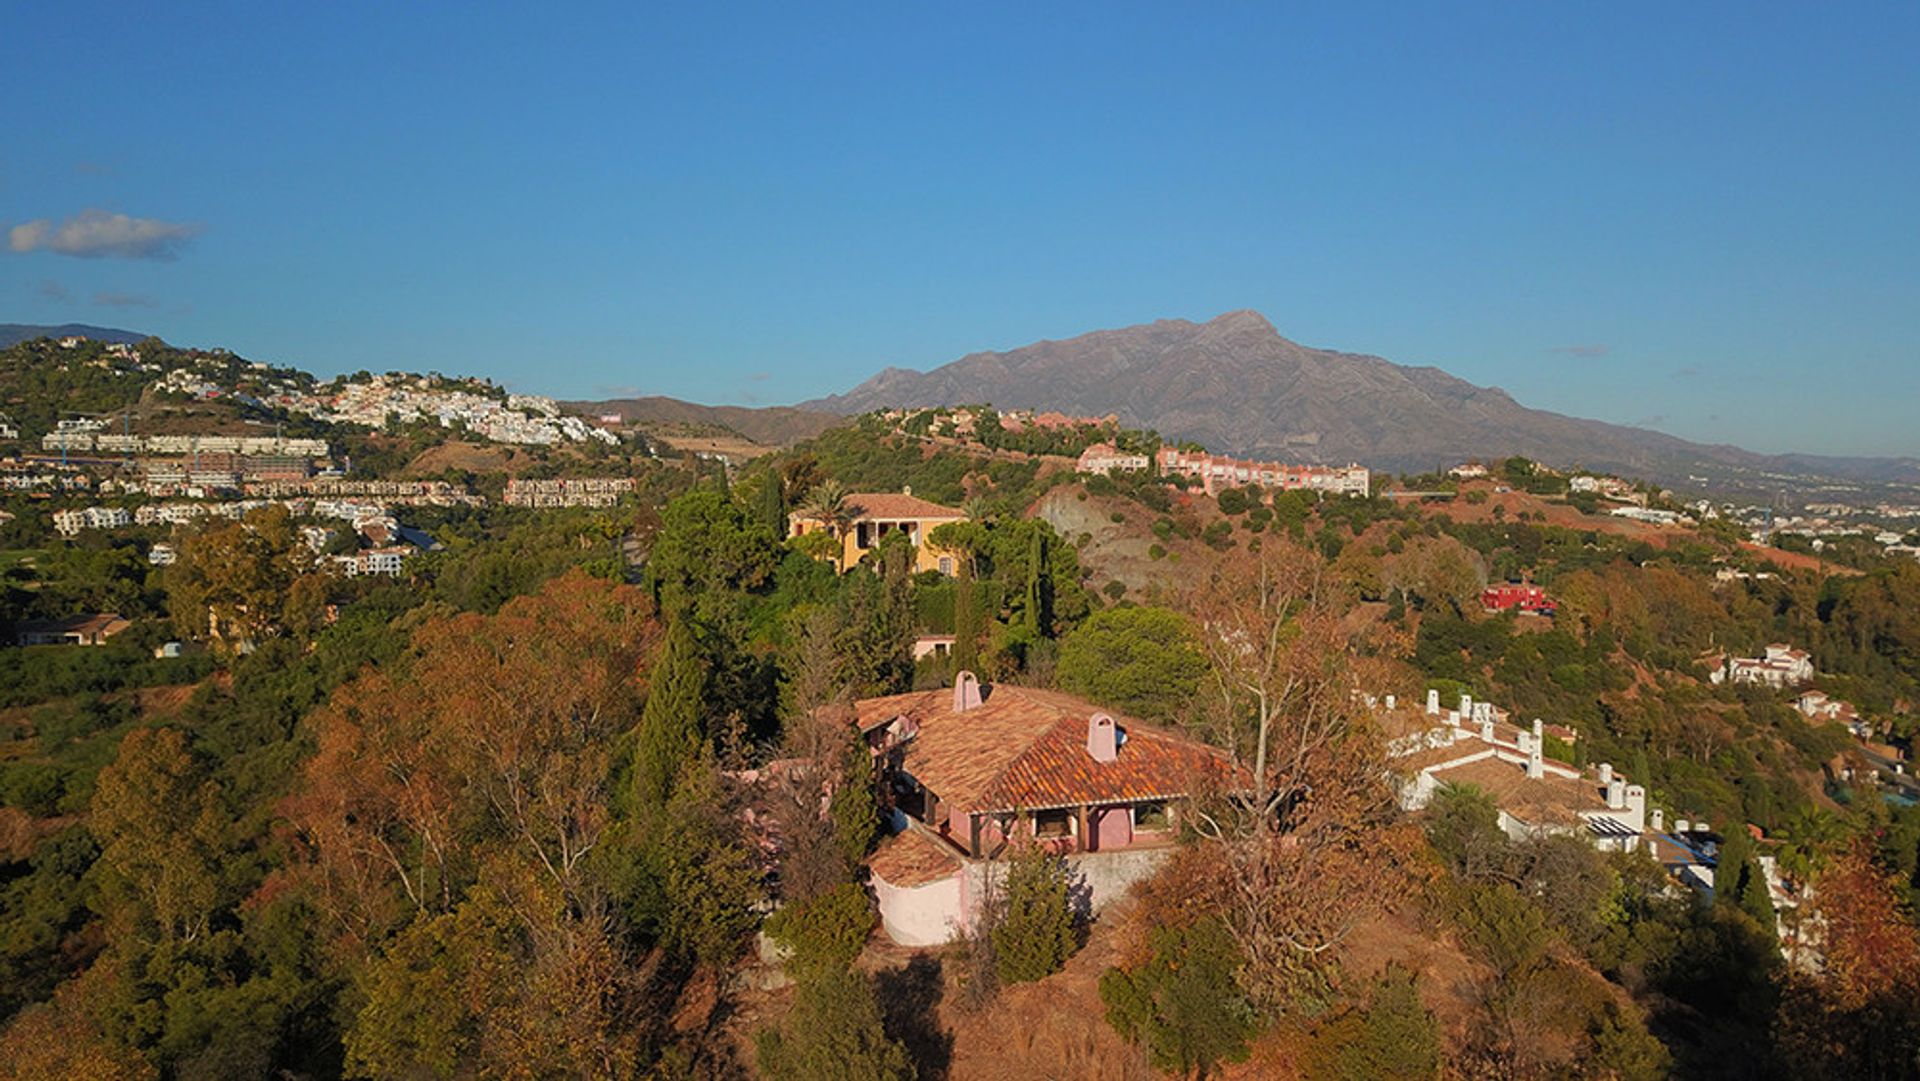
876,514
970,771
88,630
1536,795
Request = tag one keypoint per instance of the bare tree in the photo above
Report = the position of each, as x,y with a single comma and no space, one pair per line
1303,847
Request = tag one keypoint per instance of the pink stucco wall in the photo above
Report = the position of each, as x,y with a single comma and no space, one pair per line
1112,828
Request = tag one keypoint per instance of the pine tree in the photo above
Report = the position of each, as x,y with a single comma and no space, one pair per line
1036,935
671,731
709,880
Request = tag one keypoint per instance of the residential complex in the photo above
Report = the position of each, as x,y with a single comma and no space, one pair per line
574,492
1216,472
73,438
517,418
71,522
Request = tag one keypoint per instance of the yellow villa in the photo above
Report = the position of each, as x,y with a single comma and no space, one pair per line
870,516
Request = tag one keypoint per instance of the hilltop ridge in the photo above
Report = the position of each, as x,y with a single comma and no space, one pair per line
1234,384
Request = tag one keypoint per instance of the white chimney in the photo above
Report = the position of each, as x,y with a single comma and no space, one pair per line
1617,794
1606,774
1680,825
1539,733
1466,704
1659,820
966,692
1486,730
1433,703
1636,807
1391,702
1453,717
1536,766
1103,738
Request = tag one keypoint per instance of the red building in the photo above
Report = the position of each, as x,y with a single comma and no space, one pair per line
1526,598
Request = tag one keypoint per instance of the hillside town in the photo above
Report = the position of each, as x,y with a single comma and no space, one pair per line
1017,672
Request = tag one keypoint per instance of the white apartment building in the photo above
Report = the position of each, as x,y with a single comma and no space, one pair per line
1107,459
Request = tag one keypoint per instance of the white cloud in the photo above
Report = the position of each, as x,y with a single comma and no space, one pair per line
95,234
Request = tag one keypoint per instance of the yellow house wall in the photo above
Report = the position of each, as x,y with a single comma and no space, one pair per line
926,557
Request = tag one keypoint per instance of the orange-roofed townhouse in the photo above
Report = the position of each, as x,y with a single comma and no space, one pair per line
871,516
970,771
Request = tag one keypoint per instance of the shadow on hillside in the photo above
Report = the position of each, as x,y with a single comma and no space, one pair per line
910,1003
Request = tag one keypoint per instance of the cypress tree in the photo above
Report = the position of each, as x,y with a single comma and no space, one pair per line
1729,865
1036,570
773,505
966,620
1739,883
670,724
1756,900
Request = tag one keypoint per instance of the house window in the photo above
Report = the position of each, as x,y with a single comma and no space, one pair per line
946,566
1051,824
1152,816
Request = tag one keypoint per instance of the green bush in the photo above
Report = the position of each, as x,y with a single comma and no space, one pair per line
829,930
1035,935
1184,1004
1391,1038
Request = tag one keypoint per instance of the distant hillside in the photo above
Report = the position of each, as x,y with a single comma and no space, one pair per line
14,333
776,426
1235,385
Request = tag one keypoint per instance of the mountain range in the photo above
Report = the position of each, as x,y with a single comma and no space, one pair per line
1234,385
15,333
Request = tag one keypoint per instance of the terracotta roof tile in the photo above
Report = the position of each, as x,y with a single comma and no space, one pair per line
893,505
1026,749
914,858
1539,801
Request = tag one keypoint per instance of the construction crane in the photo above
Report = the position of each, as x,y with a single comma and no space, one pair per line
126,427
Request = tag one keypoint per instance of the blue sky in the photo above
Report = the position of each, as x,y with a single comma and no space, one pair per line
1704,218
